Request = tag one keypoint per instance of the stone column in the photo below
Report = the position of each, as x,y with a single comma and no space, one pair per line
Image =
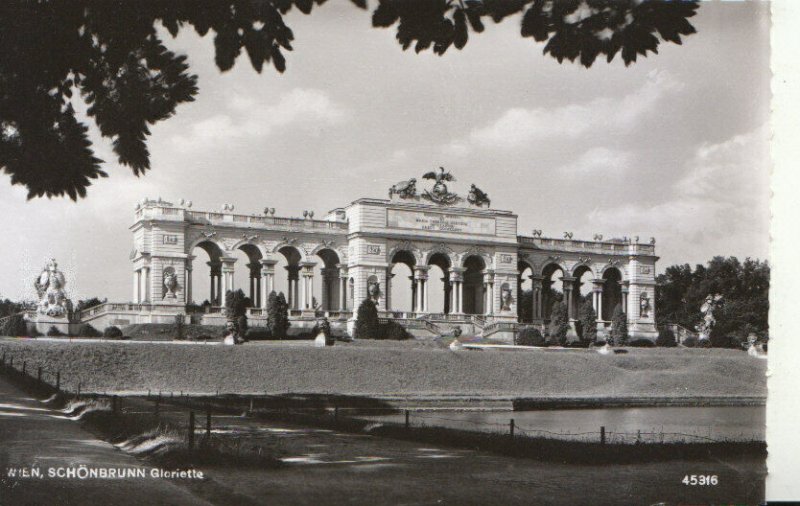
625,289
457,290
147,284
598,298
488,281
342,287
536,295
227,277
414,289
188,283
136,286
267,280
421,274
293,276
568,299
307,289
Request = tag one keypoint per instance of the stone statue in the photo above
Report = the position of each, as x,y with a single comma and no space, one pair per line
170,283
711,304
644,305
50,288
439,194
374,290
404,189
505,298
478,197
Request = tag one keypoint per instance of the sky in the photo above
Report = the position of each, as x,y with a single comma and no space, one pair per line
674,146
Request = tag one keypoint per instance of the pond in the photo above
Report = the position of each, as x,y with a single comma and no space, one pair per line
657,424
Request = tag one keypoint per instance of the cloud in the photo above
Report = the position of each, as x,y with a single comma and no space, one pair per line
519,126
599,160
719,206
248,118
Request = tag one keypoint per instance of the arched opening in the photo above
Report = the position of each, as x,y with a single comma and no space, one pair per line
329,287
247,272
582,289
552,288
473,291
438,284
612,292
290,283
206,275
524,292
402,286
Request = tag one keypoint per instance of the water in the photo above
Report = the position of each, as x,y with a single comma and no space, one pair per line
668,424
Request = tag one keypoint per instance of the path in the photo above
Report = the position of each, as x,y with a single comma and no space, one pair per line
33,434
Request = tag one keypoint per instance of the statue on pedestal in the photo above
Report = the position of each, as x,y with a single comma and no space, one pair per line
50,289
711,304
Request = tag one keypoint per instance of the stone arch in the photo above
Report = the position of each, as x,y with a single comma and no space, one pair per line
549,296
612,291
601,271
485,257
404,246
249,244
197,241
211,270
295,245
441,249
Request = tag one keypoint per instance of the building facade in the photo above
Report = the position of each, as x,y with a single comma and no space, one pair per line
478,251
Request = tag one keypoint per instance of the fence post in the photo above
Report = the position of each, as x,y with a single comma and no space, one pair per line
24,366
191,430
602,435
511,428
58,381
208,425
408,421
158,403
251,406
11,363
79,389
336,414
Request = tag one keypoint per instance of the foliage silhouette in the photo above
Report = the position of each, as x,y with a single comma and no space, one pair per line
111,54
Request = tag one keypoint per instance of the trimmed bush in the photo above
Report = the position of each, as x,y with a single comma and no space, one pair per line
619,327
690,342
277,315
367,321
392,331
530,336
587,321
258,334
642,343
179,327
112,332
559,324
241,325
86,330
666,338
54,332
14,326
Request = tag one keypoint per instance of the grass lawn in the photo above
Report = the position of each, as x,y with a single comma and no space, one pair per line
390,368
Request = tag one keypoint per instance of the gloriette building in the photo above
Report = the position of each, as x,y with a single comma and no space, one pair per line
482,264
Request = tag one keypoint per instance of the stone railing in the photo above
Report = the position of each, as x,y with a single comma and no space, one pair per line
681,332
211,217
495,327
115,307
574,245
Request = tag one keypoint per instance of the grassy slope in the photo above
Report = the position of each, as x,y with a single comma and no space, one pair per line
365,370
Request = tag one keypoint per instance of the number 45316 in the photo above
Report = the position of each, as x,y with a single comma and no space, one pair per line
700,479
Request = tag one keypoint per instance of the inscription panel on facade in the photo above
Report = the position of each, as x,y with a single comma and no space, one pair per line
440,222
